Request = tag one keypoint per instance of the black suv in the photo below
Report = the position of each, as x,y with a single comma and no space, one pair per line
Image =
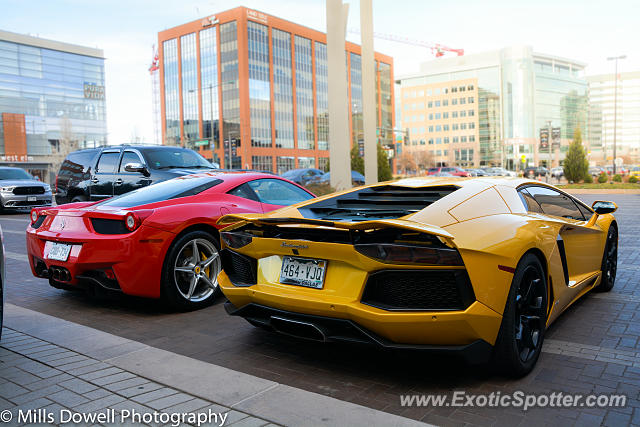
98,173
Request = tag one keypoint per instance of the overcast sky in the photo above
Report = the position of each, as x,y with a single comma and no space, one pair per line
584,30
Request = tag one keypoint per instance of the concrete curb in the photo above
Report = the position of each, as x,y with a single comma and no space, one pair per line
256,396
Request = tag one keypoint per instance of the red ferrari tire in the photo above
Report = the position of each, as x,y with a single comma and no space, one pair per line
609,261
190,271
519,342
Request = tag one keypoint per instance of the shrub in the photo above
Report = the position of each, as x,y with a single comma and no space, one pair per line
576,166
633,179
617,178
588,179
602,178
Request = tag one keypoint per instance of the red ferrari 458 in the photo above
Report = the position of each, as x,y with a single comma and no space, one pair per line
160,241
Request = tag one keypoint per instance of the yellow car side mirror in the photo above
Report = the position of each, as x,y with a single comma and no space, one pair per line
601,207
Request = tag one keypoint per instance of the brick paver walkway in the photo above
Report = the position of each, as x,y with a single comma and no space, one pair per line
35,374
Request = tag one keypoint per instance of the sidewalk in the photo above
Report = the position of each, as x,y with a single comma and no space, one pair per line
69,370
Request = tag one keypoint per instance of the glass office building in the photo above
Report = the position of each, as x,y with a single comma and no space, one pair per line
603,118
259,95
490,109
50,92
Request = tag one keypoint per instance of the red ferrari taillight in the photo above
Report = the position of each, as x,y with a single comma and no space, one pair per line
133,219
34,215
410,254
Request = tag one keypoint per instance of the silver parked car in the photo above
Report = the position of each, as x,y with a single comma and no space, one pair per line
20,190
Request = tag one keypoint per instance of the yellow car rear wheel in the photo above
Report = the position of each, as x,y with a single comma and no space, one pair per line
522,330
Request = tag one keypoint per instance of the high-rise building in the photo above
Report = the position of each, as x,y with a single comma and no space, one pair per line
603,118
250,90
494,108
50,93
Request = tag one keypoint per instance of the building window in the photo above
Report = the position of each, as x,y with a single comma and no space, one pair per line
455,126
463,139
472,138
189,66
446,139
431,141
437,103
471,113
445,102
438,140
304,94
430,128
429,104
430,116
282,90
470,87
470,99
472,125
463,125
230,93
306,162
259,86
284,164
454,101
445,127
445,90
422,142
209,84
463,113
429,92
438,116
455,139
322,97
461,88
438,128
323,162
356,99
463,101
171,88
436,91
445,115
454,89
454,114
262,163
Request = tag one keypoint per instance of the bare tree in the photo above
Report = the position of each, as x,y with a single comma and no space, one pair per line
424,159
406,162
67,143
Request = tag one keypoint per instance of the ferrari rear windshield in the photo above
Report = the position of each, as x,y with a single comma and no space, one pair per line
171,189
382,202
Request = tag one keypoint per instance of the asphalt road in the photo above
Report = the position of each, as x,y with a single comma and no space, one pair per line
602,326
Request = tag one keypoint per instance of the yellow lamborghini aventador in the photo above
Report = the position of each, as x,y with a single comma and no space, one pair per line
479,266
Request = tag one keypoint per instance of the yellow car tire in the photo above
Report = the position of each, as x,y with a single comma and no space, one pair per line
523,324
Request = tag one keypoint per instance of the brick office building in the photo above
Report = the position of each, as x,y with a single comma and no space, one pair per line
251,90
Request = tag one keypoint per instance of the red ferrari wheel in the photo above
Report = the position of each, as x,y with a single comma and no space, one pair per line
190,278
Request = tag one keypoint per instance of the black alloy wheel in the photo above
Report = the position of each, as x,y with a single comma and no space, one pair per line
609,261
519,342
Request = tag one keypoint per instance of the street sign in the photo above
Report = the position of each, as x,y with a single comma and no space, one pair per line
201,143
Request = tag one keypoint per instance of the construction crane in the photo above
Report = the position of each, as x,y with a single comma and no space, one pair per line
436,48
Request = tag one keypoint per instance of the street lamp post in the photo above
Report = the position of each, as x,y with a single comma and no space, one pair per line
615,107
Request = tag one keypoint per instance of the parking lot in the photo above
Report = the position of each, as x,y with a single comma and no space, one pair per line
593,348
